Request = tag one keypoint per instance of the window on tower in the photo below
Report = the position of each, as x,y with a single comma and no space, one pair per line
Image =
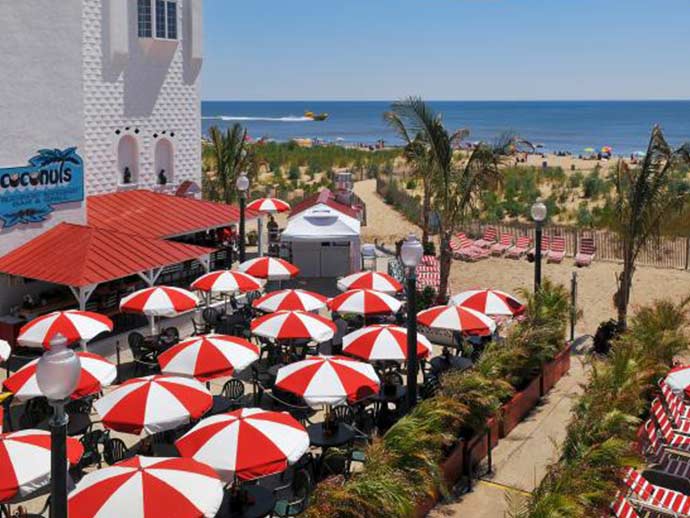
157,18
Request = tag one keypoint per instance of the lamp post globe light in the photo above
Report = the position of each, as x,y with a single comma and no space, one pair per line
57,375
411,254
242,185
539,213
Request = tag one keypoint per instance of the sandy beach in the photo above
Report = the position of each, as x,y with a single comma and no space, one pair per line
597,283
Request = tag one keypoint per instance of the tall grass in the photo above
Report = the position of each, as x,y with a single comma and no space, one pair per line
601,435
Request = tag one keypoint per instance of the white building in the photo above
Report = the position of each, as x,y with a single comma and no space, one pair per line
115,79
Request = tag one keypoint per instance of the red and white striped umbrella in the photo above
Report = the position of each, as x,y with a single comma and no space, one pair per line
72,324
96,373
269,205
489,302
271,268
383,343
153,404
208,357
146,487
25,461
159,301
378,281
293,325
249,443
364,302
457,318
290,300
226,281
328,380
5,350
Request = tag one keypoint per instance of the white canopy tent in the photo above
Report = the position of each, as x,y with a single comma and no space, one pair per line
325,242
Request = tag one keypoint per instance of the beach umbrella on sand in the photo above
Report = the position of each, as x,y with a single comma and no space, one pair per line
246,444
73,325
226,281
328,380
607,150
25,461
208,357
589,150
96,373
153,404
290,300
378,281
270,205
457,318
5,350
364,302
271,268
489,302
146,487
293,325
383,343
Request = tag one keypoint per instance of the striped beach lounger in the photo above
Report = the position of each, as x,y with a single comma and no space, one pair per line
490,238
503,245
521,247
557,250
670,436
655,498
585,255
670,460
622,508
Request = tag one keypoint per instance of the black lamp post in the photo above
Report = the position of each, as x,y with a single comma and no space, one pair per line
57,375
538,215
411,254
242,185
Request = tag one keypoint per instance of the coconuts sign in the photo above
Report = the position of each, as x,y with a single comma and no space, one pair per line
29,194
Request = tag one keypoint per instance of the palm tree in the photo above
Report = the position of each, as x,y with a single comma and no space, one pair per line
644,199
231,155
454,184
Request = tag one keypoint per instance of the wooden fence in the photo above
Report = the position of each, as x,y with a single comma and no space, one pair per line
667,252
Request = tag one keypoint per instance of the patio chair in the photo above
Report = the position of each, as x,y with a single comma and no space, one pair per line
489,238
670,460
91,441
144,358
622,508
211,317
557,250
299,490
655,498
114,451
585,255
671,437
505,243
520,249
233,390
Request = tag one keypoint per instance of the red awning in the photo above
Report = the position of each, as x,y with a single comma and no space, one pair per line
77,255
153,214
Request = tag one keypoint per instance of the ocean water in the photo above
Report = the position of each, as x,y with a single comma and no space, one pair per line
556,125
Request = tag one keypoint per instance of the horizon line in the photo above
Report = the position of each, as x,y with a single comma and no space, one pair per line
451,100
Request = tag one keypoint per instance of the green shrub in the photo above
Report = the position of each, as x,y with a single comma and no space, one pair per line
411,185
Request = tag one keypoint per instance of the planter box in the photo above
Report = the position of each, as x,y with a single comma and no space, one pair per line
522,403
555,369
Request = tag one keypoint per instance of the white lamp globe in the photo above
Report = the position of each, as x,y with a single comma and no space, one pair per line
411,251
538,211
242,183
58,370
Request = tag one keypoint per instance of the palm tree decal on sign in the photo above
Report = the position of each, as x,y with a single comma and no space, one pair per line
43,158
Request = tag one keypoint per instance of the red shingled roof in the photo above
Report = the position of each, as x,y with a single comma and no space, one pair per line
325,197
153,214
76,255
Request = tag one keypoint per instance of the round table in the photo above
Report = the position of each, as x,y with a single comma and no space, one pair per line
220,406
441,364
318,437
261,503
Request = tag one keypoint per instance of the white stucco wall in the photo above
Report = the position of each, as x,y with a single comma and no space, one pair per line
40,93
153,90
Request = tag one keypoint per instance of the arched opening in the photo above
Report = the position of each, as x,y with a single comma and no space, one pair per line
128,160
164,162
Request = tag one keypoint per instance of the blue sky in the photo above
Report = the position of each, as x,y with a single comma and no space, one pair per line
446,49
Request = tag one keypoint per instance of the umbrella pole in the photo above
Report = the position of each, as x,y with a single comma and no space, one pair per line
153,325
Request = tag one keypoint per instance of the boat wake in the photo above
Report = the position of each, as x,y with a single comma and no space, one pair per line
231,118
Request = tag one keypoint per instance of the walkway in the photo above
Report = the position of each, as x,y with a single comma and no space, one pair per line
520,460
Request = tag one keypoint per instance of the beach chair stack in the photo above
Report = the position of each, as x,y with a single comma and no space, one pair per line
429,273
661,491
